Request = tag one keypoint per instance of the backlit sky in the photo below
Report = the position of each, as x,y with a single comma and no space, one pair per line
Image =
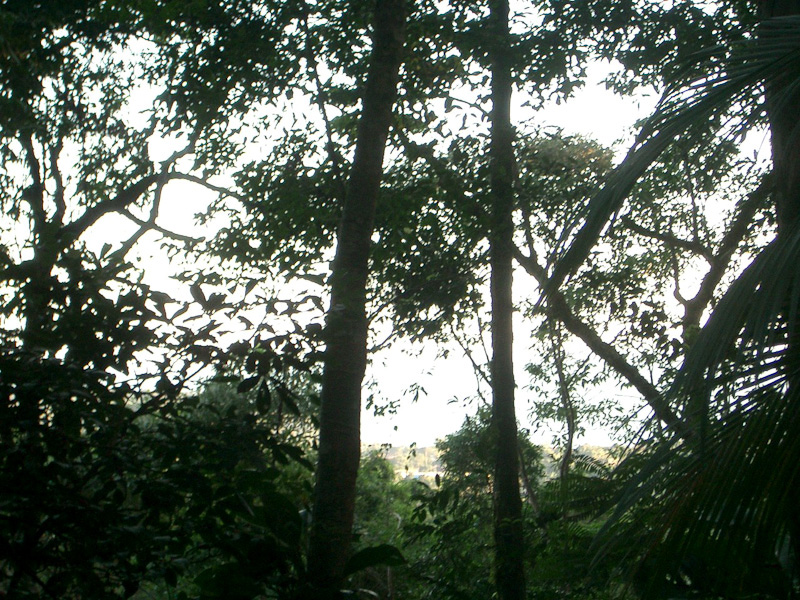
593,112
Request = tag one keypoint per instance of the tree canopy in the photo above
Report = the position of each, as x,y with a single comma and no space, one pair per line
351,176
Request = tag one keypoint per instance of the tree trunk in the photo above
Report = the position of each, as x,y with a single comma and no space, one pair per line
509,572
346,327
784,119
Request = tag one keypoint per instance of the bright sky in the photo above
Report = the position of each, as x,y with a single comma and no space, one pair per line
448,383
593,112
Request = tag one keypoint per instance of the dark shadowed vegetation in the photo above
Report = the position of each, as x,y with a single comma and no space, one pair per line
215,214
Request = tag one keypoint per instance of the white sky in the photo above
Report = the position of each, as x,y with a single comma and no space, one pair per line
449,383
593,112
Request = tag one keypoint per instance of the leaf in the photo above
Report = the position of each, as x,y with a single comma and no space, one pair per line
251,284
288,400
179,312
318,278
248,384
263,398
198,295
384,554
215,301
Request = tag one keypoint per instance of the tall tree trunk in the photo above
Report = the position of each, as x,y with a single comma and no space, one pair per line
509,572
784,119
783,111
346,327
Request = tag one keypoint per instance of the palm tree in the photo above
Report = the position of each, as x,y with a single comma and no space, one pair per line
717,506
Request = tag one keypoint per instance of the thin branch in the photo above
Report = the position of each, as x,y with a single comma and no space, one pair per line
120,253
127,197
70,232
151,225
557,347
696,306
190,146
60,201
387,341
690,188
558,308
669,239
482,332
34,194
479,371
676,275
486,114
209,186
526,219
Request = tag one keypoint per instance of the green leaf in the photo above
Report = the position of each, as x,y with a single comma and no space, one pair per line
384,554
198,295
288,400
263,398
248,384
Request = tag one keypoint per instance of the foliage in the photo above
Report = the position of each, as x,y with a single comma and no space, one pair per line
123,476
108,489
706,533
452,521
383,507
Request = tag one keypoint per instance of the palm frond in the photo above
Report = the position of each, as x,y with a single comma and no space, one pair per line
712,512
734,80
715,521
725,501
745,343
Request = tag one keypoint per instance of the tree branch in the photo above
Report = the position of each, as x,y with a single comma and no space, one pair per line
119,204
696,306
34,194
151,225
479,371
69,233
558,308
202,182
669,238
557,347
60,201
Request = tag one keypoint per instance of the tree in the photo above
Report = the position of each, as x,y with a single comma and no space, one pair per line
81,387
346,326
729,512
510,574
454,519
110,473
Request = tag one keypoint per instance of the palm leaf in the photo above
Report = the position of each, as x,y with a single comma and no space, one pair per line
735,77
711,512
725,500
715,520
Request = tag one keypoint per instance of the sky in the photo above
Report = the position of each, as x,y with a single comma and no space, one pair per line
447,386
593,112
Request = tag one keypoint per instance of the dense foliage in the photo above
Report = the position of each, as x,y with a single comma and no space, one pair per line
166,386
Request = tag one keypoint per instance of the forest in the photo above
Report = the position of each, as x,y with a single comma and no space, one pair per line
215,215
